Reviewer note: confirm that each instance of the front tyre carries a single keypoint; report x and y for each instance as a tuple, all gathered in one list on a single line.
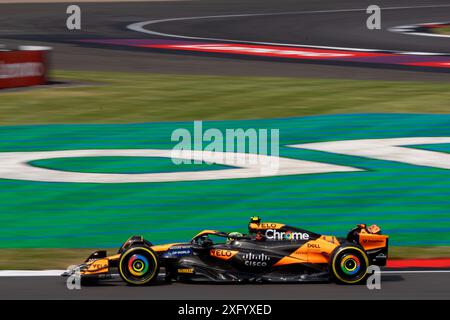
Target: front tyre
[(139, 265), (349, 264)]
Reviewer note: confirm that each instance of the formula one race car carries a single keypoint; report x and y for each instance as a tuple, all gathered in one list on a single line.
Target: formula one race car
[(271, 252)]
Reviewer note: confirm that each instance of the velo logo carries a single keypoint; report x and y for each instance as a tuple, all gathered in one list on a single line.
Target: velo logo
[(223, 254)]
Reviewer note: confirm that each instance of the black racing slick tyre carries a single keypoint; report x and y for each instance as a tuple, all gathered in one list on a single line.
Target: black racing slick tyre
[(139, 265), (349, 264)]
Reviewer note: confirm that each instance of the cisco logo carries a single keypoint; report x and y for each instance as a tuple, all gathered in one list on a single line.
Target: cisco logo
[(255, 260)]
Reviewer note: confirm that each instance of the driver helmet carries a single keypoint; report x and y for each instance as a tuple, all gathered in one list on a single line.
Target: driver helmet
[(232, 236)]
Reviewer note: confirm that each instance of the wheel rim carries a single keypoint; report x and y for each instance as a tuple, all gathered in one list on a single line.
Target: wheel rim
[(138, 266), (350, 264)]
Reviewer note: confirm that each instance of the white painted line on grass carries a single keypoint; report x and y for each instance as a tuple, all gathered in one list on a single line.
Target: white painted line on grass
[(15, 165)]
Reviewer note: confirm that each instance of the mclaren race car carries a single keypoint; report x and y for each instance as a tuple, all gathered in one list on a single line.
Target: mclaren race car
[(270, 252)]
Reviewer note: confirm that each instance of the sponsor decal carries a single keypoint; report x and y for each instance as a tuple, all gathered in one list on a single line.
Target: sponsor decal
[(180, 247), (223, 254), (98, 265), (255, 260), (273, 234), (373, 240), (313, 246), (186, 270), (381, 256), (21, 70), (372, 243), (267, 226), (179, 252)]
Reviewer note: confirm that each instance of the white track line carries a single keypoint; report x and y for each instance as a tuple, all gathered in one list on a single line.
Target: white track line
[(428, 34), (31, 273), (140, 27)]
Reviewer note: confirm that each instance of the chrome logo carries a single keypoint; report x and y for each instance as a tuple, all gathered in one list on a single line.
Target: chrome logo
[(273, 234), (138, 265), (350, 264)]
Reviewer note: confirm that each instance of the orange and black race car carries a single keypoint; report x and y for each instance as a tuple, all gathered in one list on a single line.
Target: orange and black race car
[(270, 252)]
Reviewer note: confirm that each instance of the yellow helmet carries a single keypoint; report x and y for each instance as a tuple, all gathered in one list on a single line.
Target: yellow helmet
[(255, 219)]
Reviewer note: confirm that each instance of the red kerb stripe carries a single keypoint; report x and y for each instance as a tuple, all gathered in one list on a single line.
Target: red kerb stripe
[(419, 263)]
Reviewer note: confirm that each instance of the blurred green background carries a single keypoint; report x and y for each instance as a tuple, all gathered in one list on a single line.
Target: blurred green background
[(410, 203)]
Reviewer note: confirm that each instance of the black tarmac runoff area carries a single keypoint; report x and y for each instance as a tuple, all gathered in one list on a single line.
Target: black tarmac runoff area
[(307, 22), (398, 285)]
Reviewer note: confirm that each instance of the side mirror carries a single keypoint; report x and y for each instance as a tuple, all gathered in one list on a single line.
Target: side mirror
[(96, 255)]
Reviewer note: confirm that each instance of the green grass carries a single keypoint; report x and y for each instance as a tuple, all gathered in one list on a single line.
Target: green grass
[(54, 211), (130, 98), (444, 30), (117, 165), (409, 202), (38, 259)]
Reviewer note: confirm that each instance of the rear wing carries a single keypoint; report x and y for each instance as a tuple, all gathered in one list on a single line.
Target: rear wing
[(373, 242), (279, 231)]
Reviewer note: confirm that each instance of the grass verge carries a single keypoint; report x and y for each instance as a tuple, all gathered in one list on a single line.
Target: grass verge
[(443, 30), (38, 259), (127, 97), (132, 97)]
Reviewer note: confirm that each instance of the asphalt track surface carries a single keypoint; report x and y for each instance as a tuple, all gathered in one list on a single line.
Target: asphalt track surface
[(396, 286), (338, 25), (311, 22)]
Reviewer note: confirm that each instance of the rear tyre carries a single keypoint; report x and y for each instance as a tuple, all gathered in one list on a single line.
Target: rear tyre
[(348, 264), (139, 265)]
